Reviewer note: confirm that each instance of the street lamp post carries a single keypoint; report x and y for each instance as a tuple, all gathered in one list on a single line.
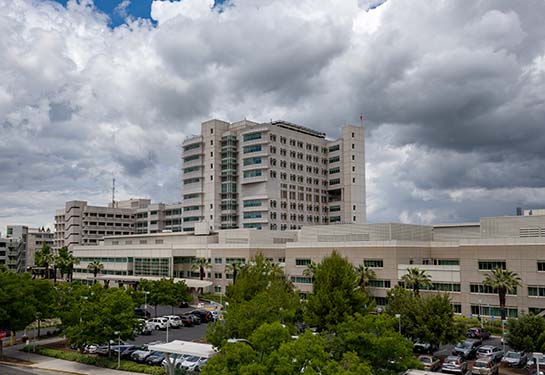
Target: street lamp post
[(146, 300), (398, 316), (118, 348)]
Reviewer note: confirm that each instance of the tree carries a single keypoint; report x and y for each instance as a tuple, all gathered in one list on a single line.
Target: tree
[(428, 319), (309, 270), (201, 264), (95, 267), (416, 279), (364, 276), (375, 339), (504, 281), (233, 268), (164, 292), (334, 297), (65, 262), (527, 333), (44, 258), (96, 315)]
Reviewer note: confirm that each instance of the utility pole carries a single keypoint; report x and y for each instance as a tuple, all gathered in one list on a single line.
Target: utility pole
[(113, 192)]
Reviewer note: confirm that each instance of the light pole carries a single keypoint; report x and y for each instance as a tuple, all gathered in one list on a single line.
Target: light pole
[(398, 316), (118, 348), (480, 315), (146, 301), (503, 335)]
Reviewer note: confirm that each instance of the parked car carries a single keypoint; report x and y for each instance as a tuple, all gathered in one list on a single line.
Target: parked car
[(494, 352), (141, 313), (430, 362), (141, 355), (193, 363), (155, 358), (423, 347), (478, 333), (143, 328), (205, 315), (515, 359), (467, 348), (534, 359), (158, 323), (120, 349), (485, 366), (187, 320), (196, 319), (184, 304), (454, 364), (174, 321), (127, 352), (90, 348)]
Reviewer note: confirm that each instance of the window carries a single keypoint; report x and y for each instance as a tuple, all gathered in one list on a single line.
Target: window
[(252, 203), (191, 180), (381, 301), (376, 283), (334, 159), (143, 242), (301, 279), (447, 262), (192, 169), (335, 181), (252, 215), (252, 225), (248, 174), (252, 161), (485, 265), (302, 262), (477, 310), (191, 158), (334, 148), (373, 263), (251, 137), (192, 147), (218, 275), (159, 242), (353, 146), (235, 260), (457, 308), (250, 149), (536, 291), (334, 219), (334, 170), (541, 265)]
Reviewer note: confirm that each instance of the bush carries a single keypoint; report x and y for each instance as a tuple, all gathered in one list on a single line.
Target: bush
[(99, 361)]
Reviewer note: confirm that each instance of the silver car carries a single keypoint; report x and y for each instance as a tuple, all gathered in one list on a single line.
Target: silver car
[(494, 352), (454, 364)]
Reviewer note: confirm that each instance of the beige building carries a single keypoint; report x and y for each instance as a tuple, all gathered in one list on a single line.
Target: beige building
[(82, 224), (457, 257), (277, 176), (23, 243)]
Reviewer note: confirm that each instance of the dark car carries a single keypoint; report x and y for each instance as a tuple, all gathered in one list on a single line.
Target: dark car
[(478, 333), (205, 315), (187, 321), (184, 304), (141, 313), (196, 318), (126, 353), (467, 349), (155, 358)]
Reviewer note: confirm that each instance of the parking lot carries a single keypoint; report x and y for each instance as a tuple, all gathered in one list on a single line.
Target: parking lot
[(195, 333)]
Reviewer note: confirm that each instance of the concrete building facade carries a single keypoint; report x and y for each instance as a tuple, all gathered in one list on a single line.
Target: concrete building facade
[(21, 244), (277, 176), (455, 258)]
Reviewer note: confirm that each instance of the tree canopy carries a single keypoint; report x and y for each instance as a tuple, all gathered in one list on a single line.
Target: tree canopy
[(527, 333), (164, 292)]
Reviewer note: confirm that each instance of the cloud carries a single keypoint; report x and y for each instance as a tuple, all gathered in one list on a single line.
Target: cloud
[(453, 96)]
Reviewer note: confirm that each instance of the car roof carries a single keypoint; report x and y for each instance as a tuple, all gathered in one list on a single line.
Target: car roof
[(486, 347)]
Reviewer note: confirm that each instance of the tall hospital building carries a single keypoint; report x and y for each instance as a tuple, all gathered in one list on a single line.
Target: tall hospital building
[(275, 175)]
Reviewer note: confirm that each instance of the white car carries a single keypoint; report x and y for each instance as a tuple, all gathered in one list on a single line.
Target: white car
[(174, 321), (158, 323), (193, 363)]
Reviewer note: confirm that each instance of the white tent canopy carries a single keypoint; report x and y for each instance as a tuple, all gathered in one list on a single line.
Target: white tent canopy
[(185, 347), (175, 349)]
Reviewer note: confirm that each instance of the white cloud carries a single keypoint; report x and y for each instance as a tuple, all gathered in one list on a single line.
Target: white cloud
[(453, 95)]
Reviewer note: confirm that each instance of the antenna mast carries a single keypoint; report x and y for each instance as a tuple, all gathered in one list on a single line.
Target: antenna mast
[(113, 192), (361, 119)]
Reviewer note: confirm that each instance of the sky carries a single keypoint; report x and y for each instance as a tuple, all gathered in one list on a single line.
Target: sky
[(453, 96)]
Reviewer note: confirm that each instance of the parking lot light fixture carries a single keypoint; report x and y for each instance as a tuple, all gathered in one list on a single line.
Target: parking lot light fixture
[(146, 300), (398, 316), (118, 348)]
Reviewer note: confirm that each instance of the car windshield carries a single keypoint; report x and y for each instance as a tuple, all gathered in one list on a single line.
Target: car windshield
[(425, 359), (512, 355), (480, 364), (463, 345), (192, 359), (485, 350), (452, 359)]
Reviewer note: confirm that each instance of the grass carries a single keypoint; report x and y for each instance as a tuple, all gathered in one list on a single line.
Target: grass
[(99, 361)]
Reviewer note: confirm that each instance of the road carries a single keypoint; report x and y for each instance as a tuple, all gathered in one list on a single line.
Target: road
[(13, 370)]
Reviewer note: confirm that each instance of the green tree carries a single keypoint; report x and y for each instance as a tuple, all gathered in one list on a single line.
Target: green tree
[(428, 319), (364, 276), (45, 296), (416, 279), (201, 264), (96, 315), (504, 281), (233, 268), (17, 301), (65, 262), (309, 270), (164, 292), (44, 258), (95, 267), (375, 339), (527, 333), (334, 297)]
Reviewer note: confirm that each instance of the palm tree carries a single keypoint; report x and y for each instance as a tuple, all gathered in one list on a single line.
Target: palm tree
[(364, 276), (44, 258), (416, 279), (200, 264), (504, 281), (233, 268), (95, 267), (309, 271), (66, 262)]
